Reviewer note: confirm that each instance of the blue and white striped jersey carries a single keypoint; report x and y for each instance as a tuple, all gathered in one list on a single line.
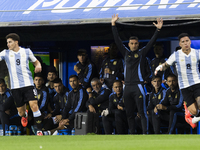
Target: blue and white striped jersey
[(18, 66), (187, 67)]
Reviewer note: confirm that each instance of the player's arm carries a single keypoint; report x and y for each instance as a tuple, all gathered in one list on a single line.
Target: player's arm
[(117, 39), (158, 26), (38, 67), (162, 67)]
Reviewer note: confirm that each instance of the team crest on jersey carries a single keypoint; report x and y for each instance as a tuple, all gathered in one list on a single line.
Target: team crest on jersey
[(115, 62), (153, 97), (115, 100), (160, 63), (182, 59), (65, 99), (169, 95), (106, 64), (59, 101), (140, 96), (176, 96), (4, 101), (129, 56), (11, 55), (159, 96), (136, 55), (194, 59), (38, 121), (38, 96), (99, 105)]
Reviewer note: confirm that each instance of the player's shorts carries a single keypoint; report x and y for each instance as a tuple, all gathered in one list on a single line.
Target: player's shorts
[(24, 95), (190, 94)]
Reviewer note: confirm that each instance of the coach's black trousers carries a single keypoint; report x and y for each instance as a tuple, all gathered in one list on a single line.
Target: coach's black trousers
[(134, 97)]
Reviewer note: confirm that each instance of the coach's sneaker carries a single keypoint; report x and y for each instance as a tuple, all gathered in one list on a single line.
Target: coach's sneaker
[(24, 120), (187, 112), (39, 133), (189, 121)]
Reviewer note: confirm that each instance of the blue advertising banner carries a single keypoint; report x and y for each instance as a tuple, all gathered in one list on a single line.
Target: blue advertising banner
[(36, 12)]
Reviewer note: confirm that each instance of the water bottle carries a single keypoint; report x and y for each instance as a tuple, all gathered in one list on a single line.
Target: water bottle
[(7, 133), (18, 131), (73, 131)]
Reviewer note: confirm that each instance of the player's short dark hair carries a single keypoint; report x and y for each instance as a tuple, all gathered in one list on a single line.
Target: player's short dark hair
[(13, 36), (73, 76), (51, 69), (183, 35), (81, 52), (57, 80), (133, 38), (2, 81), (39, 75), (172, 75), (117, 81), (156, 76)]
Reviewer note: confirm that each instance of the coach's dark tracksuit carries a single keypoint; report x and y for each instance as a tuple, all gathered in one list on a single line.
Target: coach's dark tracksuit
[(7, 103), (100, 100), (154, 99), (59, 104), (88, 72), (75, 103), (117, 70), (119, 116), (134, 94), (174, 103)]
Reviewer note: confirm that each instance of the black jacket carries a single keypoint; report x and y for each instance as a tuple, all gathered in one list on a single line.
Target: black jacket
[(134, 61), (156, 98), (99, 101), (173, 100), (59, 101), (43, 98), (88, 72), (75, 103), (7, 103), (114, 101), (117, 69)]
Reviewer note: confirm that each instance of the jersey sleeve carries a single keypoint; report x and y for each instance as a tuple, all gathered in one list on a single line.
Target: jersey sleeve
[(31, 56), (171, 59), (2, 55)]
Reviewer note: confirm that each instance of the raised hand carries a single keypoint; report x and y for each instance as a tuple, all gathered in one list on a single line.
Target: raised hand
[(159, 23), (114, 19)]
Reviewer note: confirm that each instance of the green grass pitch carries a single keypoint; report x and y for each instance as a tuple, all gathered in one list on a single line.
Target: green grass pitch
[(101, 142)]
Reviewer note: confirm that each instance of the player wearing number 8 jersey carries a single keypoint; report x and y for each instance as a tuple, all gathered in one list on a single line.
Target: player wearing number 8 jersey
[(22, 87), (187, 60)]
